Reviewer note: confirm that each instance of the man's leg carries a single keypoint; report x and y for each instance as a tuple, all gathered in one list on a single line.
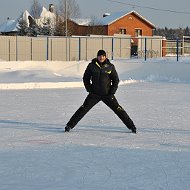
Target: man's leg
[(112, 103), (89, 102)]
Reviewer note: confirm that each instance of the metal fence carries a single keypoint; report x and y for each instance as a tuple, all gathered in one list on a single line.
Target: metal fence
[(186, 45), (173, 47), (160, 47), (150, 47), (178, 46), (17, 48)]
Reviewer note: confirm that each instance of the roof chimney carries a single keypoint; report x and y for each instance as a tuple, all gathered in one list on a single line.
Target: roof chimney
[(106, 14), (51, 8)]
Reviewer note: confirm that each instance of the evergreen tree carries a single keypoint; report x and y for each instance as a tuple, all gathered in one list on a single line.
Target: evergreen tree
[(187, 32), (47, 30), (172, 34), (23, 28), (34, 30)]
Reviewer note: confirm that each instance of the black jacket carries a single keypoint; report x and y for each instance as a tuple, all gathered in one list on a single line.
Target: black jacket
[(101, 79)]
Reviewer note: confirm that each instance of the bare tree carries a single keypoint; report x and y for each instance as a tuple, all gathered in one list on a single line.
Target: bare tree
[(96, 27), (35, 9), (94, 21), (72, 8), (59, 26), (68, 9)]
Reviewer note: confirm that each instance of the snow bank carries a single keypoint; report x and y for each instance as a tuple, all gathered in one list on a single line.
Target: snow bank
[(55, 74), (158, 72)]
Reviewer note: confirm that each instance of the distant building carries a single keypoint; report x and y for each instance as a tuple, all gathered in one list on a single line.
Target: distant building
[(125, 23), (47, 17), (129, 23), (9, 27)]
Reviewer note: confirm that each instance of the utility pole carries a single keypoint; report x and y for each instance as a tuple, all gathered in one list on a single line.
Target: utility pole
[(66, 18)]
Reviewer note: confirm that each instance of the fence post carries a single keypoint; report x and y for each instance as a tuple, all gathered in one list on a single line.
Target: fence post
[(177, 50), (183, 46), (9, 49), (102, 42), (79, 48), (16, 49), (86, 48), (47, 49), (66, 48), (145, 50), (112, 49), (69, 48), (51, 50), (31, 49)]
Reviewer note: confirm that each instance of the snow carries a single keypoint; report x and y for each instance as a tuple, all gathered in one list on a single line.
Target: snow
[(9, 26), (37, 100), (45, 16), (25, 16), (12, 25), (109, 19), (82, 21)]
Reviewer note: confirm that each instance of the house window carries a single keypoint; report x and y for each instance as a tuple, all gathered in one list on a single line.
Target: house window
[(122, 31), (138, 32)]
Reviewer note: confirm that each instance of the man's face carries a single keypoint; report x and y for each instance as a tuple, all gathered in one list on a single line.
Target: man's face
[(101, 58)]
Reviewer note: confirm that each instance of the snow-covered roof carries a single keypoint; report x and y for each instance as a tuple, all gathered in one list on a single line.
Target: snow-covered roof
[(80, 21), (118, 15), (45, 16), (46, 13), (9, 26), (25, 16)]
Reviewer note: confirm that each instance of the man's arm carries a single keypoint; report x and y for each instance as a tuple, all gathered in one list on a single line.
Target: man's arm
[(115, 81), (87, 79)]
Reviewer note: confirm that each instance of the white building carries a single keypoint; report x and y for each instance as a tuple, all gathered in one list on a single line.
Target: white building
[(47, 17)]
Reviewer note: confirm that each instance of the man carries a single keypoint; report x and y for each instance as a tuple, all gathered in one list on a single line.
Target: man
[(101, 81)]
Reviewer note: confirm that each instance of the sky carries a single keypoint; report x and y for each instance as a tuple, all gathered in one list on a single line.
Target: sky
[(91, 8)]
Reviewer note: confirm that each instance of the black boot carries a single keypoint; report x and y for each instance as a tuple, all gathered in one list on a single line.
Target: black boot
[(134, 130), (67, 128)]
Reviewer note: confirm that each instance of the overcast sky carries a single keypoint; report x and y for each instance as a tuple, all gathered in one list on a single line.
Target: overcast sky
[(89, 8)]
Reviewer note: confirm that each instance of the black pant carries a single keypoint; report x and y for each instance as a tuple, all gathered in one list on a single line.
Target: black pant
[(91, 100)]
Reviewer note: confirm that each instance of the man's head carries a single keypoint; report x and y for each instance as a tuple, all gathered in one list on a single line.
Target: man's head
[(101, 55)]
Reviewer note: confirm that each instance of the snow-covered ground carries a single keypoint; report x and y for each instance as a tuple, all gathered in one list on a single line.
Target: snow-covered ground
[(37, 100)]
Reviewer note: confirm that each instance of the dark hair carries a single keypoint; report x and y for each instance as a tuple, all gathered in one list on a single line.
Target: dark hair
[(101, 52)]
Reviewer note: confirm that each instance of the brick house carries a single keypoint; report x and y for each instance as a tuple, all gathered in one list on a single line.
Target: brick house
[(125, 23), (129, 23), (75, 27)]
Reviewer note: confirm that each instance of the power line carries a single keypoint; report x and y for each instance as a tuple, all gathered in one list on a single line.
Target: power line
[(152, 8)]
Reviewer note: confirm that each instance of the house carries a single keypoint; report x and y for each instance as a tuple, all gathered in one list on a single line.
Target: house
[(129, 23), (46, 17), (9, 27), (83, 27), (27, 17), (126, 23)]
